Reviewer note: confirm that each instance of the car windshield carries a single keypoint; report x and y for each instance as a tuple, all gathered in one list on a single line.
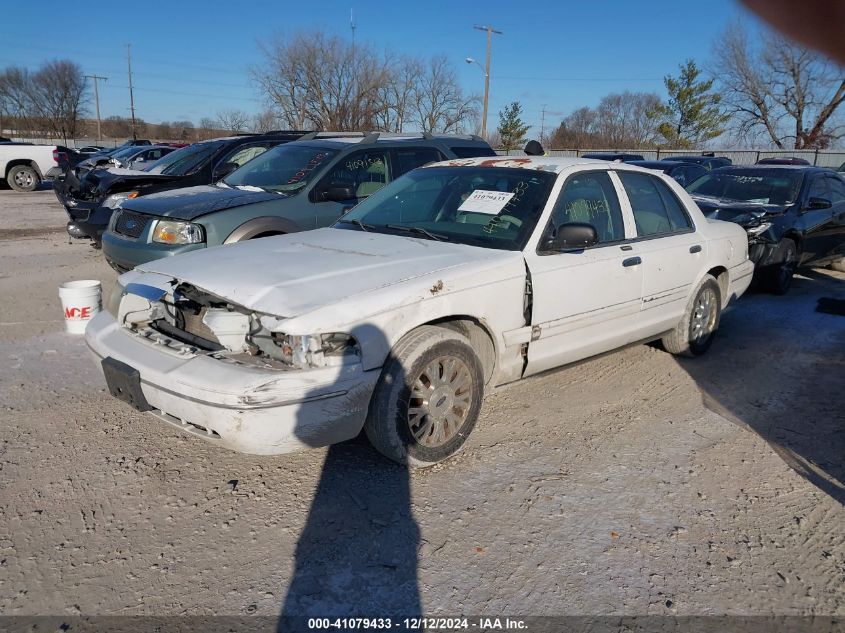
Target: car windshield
[(491, 207), (762, 186), (186, 160), (285, 168)]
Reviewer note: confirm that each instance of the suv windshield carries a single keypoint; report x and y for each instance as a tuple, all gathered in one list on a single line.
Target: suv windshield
[(285, 168), (762, 186), (492, 207), (186, 160)]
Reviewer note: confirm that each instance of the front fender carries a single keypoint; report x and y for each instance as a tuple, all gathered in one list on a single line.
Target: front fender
[(257, 226)]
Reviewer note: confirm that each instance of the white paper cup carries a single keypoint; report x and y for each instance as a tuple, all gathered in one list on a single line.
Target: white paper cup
[(81, 300)]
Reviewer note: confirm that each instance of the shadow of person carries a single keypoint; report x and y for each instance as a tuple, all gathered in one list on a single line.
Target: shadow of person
[(357, 554), (777, 368)]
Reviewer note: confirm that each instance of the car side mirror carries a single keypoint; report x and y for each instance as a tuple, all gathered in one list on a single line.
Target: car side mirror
[(572, 236), (818, 203), (337, 193), (222, 170)]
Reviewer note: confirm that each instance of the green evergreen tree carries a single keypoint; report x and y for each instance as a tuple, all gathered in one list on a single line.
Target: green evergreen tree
[(512, 128), (693, 114)]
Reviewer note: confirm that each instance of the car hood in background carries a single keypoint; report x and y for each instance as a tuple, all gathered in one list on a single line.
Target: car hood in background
[(290, 275), (192, 202), (735, 210)]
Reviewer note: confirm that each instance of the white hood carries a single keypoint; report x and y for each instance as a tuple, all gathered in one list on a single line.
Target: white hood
[(291, 275)]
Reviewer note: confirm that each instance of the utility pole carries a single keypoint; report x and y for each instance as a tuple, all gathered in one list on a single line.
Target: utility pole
[(131, 93), (543, 123), (352, 26), (97, 99), (490, 30)]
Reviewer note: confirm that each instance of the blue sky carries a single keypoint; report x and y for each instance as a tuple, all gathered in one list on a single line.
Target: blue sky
[(191, 58)]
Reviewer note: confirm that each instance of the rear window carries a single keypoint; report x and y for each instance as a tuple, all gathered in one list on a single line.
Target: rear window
[(471, 151)]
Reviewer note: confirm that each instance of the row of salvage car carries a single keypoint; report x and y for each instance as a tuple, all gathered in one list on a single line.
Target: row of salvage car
[(435, 271)]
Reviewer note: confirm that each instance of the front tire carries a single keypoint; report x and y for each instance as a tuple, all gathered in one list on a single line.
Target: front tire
[(23, 178), (778, 278), (695, 332), (428, 398)]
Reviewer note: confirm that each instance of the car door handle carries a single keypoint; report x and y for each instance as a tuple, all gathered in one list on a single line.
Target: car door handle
[(695, 249), (632, 261)]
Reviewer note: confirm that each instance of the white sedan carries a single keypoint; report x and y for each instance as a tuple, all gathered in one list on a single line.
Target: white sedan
[(457, 277)]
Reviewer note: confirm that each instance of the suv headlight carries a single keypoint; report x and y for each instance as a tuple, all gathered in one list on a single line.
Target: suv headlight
[(177, 232), (115, 200)]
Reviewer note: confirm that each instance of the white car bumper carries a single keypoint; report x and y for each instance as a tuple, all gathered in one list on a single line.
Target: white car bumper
[(242, 407)]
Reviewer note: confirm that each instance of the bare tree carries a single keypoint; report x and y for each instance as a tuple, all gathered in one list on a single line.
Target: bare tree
[(51, 100), (783, 92), (621, 120), (397, 95), (265, 121), (321, 81), (439, 103), (207, 127), (234, 121), (627, 120)]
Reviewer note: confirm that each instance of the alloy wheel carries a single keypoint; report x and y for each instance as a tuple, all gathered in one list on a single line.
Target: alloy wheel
[(440, 402)]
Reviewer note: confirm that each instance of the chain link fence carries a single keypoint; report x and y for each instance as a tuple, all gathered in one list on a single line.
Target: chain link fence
[(820, 158)]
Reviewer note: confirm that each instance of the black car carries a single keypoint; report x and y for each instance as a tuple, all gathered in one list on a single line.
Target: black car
[(684, 173), (708, 162), (613, 156), (783, 160), (90, 197), (794, 215)]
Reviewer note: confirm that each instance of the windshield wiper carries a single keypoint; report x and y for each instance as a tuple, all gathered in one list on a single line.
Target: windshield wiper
[(359, 224), (419, 231)]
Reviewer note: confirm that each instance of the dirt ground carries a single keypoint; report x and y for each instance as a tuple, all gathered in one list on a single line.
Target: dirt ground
[(630, 484)]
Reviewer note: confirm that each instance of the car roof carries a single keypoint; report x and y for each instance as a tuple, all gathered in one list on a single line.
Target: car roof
[(556, 164), (770, 167)]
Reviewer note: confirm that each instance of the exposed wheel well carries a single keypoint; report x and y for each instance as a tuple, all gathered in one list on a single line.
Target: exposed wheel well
[(479, 337), (266, 234), (22, 161), (796, 237), (720, 273)]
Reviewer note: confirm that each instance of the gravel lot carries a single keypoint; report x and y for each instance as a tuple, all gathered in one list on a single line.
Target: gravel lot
[(630, 484)]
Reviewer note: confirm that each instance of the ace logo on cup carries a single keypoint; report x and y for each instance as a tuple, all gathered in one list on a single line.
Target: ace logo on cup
[(78, 313)]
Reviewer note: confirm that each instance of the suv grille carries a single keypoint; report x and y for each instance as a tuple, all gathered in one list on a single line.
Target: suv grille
[(131, 224)]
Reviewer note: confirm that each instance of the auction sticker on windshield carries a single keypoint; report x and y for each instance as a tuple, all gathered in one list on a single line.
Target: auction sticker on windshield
[(483, 201)]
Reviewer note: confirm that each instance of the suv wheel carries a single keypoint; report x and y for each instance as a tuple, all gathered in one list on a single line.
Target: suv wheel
[(427, 400)]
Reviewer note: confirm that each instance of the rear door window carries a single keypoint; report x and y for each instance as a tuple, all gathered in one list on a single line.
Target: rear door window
[(472, 151), (413, 157), (656, 209)]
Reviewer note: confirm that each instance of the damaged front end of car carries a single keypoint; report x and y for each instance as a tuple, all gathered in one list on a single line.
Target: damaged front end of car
[(197, 321)]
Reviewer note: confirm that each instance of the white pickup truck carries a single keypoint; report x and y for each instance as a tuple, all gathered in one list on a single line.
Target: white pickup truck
[(24, 166)]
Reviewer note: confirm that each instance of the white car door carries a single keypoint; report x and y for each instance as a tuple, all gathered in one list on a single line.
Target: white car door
[(584, 302), (672, 251)]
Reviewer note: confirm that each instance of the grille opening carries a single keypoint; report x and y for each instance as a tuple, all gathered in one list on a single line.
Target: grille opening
[(131, 224)]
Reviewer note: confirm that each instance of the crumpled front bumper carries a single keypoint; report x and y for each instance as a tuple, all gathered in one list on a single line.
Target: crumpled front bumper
[(245, 408)]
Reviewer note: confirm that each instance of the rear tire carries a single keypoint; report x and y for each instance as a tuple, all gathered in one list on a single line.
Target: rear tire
[(23, 178), (427, 399), (695, 332), (778, 278)]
